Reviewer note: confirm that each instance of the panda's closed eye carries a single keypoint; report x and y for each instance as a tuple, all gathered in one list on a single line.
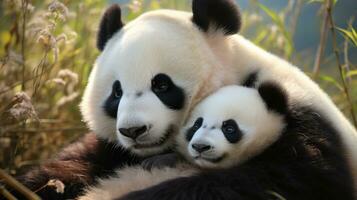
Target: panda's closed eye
[(231, 131), (191, 131)]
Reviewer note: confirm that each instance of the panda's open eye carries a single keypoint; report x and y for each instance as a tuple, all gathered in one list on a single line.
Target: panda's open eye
[(170, 94), (112, 102), (231, 131), (191, 131), (117, 91), (198, 123), (161, 83), (229, 127)]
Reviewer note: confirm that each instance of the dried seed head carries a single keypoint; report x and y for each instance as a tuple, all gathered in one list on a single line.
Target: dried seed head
[(22, 108), (59, 9)]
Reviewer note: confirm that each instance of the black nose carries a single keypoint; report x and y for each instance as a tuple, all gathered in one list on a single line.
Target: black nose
[(133, 132), (201, 147)]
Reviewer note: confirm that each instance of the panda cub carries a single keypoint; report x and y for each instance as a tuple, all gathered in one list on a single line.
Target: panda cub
[(227, 128), (233, 125)]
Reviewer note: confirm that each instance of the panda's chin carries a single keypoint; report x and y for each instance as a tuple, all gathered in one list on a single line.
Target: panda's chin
[(149, 148), (209, 162)]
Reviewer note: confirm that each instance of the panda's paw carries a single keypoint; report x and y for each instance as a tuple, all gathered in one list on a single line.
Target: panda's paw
[(160, 161)]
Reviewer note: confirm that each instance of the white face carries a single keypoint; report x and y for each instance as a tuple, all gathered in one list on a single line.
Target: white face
[(229, 127), (144, 81)]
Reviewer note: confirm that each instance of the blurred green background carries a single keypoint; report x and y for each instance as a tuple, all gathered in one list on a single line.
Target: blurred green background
[(47, 49)]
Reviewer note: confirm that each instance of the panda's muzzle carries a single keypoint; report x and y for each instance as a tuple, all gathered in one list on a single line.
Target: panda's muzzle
[(133, 132), (162, 140)]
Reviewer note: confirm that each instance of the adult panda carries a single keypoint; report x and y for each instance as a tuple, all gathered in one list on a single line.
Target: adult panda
[(149, 76), (248, 144)]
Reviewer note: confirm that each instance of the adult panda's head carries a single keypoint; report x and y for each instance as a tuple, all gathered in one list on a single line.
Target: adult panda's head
[(233, 124), (153, 70)]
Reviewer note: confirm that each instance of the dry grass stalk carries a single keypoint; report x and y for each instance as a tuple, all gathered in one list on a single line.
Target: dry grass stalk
[(9, 180), (24, 5), (6, 194)]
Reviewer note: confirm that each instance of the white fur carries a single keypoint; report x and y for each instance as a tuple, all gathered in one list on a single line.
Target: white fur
[(168, 42), (131, 179), (260, 127)]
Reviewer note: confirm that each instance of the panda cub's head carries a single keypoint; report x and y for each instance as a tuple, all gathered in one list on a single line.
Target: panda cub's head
[(233, 124)]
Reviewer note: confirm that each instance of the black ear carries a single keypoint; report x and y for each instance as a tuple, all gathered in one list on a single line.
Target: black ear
[(110, 24), (274, 97), (223, 14)]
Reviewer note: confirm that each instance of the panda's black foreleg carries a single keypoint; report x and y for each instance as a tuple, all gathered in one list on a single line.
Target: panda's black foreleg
[(77, 166), (217, 185), (161, 161), (254, 181)]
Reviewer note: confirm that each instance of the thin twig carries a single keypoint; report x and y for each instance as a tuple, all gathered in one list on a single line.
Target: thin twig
[(9, 180), (340, 67), (322, 43)]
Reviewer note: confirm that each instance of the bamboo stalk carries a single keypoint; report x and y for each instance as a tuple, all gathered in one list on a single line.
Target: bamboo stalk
[(18, 186), (340, 67)]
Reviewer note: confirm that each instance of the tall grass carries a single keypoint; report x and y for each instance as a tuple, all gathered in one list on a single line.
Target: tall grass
[(47, 49)]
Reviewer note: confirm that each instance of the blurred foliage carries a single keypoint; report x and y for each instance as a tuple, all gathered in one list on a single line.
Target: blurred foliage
[(47, 49)]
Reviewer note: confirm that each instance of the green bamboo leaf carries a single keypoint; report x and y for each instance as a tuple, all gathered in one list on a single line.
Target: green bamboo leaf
[(289, 47), (351, 73), (273, 15), (321, 1), (351, 35), (316, 1), (331, 80), (354, 33)]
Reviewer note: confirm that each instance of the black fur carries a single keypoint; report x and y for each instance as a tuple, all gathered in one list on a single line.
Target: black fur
[(170, 94), (192, 130), (112, 102), (161, 161), (223, 14), (78, 166), (251, 80), (307, 162), (235, 134), (274, 96), (110, 23)]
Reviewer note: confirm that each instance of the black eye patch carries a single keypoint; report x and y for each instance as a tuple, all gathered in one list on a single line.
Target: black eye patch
[(191, 131), (231, 131), (169, 94), (112, 102)]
